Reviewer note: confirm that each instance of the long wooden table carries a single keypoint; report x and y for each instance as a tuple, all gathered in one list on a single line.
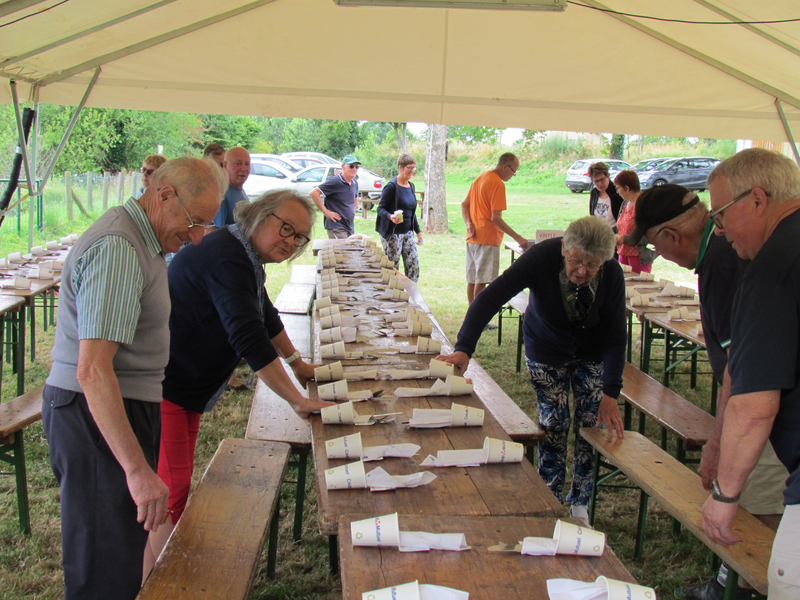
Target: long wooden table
[(485, 575)]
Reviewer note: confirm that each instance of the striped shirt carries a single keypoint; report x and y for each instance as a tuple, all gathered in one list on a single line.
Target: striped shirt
[(108, 283)]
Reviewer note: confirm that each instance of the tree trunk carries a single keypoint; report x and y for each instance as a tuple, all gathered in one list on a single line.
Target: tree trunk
[(435, 205), (401, 136)]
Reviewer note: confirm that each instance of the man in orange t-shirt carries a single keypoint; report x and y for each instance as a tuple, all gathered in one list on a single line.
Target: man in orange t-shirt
[(483, 214)]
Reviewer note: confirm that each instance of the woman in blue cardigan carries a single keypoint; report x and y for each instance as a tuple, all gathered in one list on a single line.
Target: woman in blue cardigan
[(575, 336), (398, 231)]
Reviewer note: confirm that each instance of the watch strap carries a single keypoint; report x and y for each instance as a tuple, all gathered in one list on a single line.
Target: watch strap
[(716, 494), (293, 357)]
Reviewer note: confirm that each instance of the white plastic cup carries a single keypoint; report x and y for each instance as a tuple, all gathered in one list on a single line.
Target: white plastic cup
[(341, 414), (440, 369), (321, 303), (578, 540), (36, 250), (466, 416), (620, 590), (400, 295), (376, 531), (405, 591), (347, 446), (398, 214), (336, 390), (331, 321), (459, 386), (347, 477), (503, 451), (331, 372), (329, 336), (329, 311), (335, 350), (426, 344)]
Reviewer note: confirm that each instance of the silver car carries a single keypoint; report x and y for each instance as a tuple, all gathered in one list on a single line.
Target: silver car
[(690, 172), (578, 179), (306, 180), (266, 176)]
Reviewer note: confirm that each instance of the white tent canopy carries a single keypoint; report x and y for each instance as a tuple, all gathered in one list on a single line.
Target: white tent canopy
[(580, 70)]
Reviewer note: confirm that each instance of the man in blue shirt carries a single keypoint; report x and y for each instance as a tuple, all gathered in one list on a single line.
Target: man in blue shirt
[(237, 166), (339, 206)]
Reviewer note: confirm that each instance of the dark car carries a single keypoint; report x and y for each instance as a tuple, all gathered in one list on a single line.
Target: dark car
[(689, 171)]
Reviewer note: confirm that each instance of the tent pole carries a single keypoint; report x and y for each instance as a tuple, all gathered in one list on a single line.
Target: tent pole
[(68, 131), (22, 144), (787, 129), (34, 161)]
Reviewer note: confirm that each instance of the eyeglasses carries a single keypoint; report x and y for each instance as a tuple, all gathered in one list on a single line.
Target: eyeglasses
[(146, 170), (192, 224), (600, 180), (353, 166), (715, 214), (288, 231), (591, 267), (412, 167), (513, 170)]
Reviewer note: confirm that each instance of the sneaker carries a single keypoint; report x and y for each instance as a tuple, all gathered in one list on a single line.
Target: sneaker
[(580, 512), (711, 590)]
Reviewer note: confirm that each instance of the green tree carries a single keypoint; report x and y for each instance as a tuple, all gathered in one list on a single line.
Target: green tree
[(228, 130), (338, 138), (87, 147), (617, 149), (474, 135)]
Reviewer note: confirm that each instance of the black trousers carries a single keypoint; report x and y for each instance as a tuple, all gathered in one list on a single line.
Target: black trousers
[(103, 545)]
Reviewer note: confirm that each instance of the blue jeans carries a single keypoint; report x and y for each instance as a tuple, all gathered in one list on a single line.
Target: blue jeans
[(552, 387)]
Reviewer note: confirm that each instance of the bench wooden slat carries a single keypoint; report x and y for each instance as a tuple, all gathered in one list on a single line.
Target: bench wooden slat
[(298, 328), (687, 421), (519, 302), (273, 419), (20, 412), (678, 489), (295, 298), (519, 426), (214, 550), (306, 274)]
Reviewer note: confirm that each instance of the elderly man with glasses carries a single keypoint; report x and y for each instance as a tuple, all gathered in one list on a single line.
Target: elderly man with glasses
[(339, 205), (681, 229), (101, 409), (755, 197), (221, 311)]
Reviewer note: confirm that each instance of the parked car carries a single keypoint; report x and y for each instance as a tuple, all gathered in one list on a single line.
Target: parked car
[(308, 159), (287, 164), (578, 179), (689, 171), (648, 164), (265, 176), (310, 177)]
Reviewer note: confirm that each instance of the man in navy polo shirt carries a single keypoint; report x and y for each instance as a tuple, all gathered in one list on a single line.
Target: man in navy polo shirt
[(339, 206)]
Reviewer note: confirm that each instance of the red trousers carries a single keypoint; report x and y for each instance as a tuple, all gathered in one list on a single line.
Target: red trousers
[(179, 428)]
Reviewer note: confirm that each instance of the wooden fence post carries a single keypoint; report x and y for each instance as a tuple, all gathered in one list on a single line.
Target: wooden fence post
[(68, 189), (89, 182), (121, 186), (106, 182)]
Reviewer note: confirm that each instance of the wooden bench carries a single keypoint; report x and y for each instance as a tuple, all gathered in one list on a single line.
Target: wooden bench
[(678, 489), (15, 415), (518, 304), (306, 274), (689, 423), (215, 548), (298, 328), (296, 298), (519, 426), (273, 419)]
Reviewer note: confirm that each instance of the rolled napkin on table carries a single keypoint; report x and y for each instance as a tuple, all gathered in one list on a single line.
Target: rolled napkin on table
[(649, 300), (438, 369), (415, 591), (17, 283), (452, 386), (353, 476), (457, 415), (683, 314), (568, 538), (677, 290), (337, 390), (335, 372), (383, 532), (345, 414), (350, 446), (395, 295), (600, 589), (493, 452)]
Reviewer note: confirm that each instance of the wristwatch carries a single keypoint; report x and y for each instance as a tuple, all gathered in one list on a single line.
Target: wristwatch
[(717, 494), (294, 356)]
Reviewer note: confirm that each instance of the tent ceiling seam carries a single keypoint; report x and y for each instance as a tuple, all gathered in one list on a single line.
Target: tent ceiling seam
[(712, 62), (767, 36), (12, 6), (84, 33), (444, 62), (149, 43)]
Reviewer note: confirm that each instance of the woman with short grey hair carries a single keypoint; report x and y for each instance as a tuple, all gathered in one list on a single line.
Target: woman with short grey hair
[(575, 336), (220, 313)]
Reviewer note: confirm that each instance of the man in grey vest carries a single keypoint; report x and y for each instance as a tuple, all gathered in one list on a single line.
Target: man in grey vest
[(101, 408)]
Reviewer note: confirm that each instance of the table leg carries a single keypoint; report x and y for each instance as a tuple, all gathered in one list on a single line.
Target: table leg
[(333, 553), (52, 306), (20, 351), (638, 551), (32, 310), (519, 343), (272, 550), (667, 350), (647, 340), (300, 496)]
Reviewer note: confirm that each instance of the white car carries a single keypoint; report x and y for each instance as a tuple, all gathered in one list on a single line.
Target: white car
[(306, 180), (285, 163), (266, 176), (309, 159)]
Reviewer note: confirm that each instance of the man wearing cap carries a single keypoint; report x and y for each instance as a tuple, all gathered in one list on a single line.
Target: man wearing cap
[(679, 226), (482, 211), (755, 197), (339, 206)]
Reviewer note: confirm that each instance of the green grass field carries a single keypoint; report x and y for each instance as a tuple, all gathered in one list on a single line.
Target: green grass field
[(30, 565)]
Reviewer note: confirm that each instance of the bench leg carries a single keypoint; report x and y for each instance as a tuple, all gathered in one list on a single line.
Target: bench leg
[(731, 585), (19, 351), (300, 496), (642, 418), (519, 344), (595, 485), (272, 550), (529, 452), (639, 550), (14, 455), (500, 327), (333, 553), (32, 312), (630, 336), (627, 416)]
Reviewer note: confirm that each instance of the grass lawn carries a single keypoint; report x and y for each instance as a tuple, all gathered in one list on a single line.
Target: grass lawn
[(30, 566)]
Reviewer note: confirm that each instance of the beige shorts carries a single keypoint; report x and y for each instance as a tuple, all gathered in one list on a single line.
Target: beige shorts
[(784, 564), (763, 491), (483, 263)]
